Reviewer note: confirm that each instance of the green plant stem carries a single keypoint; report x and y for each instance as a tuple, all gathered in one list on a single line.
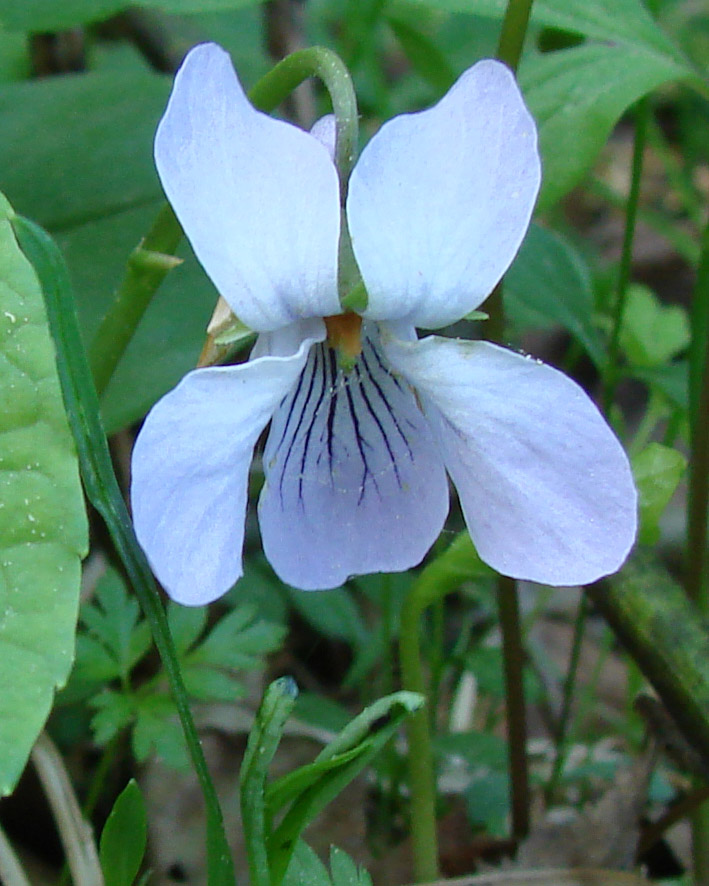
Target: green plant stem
[(458, 563), (513, 655), (509, 51), (611, 374), (422, 784), (317, 61), (147, 267), (81, 402), (698, 503), (514, 30), (561, 738), (264, 738)]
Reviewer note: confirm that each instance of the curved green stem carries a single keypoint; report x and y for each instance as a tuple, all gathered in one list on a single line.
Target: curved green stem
[(317, 61), (81, 402), (610, 380), (151, 260)]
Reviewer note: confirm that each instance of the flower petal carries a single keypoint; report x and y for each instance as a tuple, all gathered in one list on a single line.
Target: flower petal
[(545, 486), (257, 197), (440, 200), (354, 482), (190, 471)]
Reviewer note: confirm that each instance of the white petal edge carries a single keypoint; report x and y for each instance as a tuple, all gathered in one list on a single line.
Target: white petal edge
[(354, 480), (258, 198), (191, 464), (440, 200), (545, 486)]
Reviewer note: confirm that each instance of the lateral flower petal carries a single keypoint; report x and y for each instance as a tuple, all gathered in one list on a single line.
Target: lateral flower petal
[(258, 198), (191, 465), (440, 200), (545, 486), (354, 481)]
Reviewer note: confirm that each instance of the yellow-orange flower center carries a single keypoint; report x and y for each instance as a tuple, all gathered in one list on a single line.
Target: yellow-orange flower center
[(344, 335)]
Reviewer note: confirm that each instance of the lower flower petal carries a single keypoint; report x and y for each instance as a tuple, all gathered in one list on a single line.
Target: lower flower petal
[(190, 471), (354, 481), (545, 486)]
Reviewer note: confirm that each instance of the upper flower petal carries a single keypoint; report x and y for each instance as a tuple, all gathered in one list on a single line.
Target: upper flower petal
[(354, 481), (545, 486), (257, 197), (191, 464), (440, 200)]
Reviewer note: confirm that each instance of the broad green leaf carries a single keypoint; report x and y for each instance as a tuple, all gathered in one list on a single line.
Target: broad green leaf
[(577, 96), (43, 529), (53, 15), (425, 57), (652, 333), (658, 470), (550, 282), (487, 799), (626, 22), (124, 838)]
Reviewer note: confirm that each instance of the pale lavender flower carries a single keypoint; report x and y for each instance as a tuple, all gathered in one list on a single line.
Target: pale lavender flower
[(356, 461)]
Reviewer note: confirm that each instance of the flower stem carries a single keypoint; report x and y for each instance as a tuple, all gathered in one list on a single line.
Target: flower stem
[(513, 655), (317, 61), (509, 51), (82, 406), (514, 29), (455, 565), (696, 581), (611, 373)]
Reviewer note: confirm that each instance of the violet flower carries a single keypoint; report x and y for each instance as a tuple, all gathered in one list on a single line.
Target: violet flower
[(356, 458)]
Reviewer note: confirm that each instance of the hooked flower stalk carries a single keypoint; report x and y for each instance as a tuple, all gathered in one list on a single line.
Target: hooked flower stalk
[(366, 419)]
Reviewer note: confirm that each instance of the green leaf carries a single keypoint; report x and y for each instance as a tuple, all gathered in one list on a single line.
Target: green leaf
[(345, 872), (426, 58), (124, 838), (91, 180), (43, 528), (652, 334), (113, 619), (550, 282), (487, 799), (50, 15), (239, 641), (332, 613), (627, 22), (658, 470), (114, 712), (577, 96), (311, 788), (157, 731), (306, 868)]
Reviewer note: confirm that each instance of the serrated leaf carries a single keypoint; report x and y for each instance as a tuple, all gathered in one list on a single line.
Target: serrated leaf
[(657, 470), (238, 642), (114, 712), (124, 838), (157, 731), (345, 872), (652, 333), (550, 282), (186, 625), (43, 528), (209, 684), (113, 618)]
